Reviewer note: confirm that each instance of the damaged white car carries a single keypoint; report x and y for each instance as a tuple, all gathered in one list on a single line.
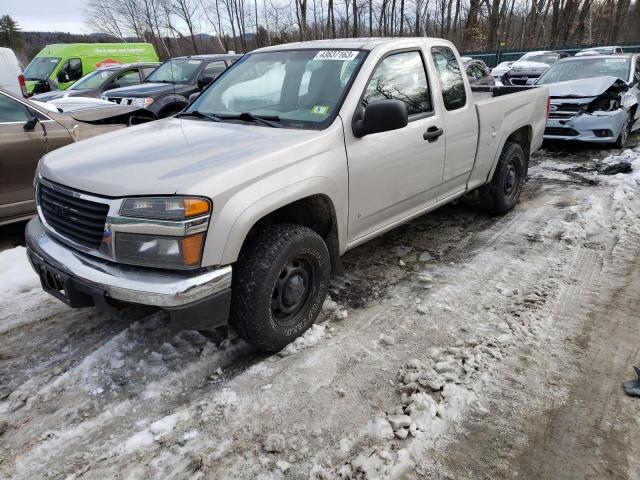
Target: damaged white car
[(593, 99)]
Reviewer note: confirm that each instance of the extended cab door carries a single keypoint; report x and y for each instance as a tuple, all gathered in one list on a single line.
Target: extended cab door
[(460, 122), (396, 173)]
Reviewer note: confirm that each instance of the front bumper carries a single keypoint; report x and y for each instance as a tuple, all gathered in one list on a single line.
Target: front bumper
[(583, 127), (81, 280)]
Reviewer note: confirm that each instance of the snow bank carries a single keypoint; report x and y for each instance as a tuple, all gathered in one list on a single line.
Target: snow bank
[(16, 274)]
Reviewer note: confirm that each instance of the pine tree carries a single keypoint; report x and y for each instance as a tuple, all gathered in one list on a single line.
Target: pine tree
[(10, 33)]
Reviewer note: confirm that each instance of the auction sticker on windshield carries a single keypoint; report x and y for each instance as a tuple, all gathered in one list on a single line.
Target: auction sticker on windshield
[(336, 55)]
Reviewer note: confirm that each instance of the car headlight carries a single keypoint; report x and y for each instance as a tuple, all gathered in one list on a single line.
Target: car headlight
[(142, 102), (165, 208), (159, 251), (177, 229)]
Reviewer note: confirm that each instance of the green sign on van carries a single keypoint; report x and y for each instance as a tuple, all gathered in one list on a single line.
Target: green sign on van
[(60, 65)]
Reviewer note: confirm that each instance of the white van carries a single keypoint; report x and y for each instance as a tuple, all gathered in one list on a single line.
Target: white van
[(11, 78)]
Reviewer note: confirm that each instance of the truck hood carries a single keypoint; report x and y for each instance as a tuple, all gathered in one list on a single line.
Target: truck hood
[(170, 156), (586, 88), (146, 90)]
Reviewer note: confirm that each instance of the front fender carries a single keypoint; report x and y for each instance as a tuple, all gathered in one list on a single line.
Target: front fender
[(236, 212), (260, 208)]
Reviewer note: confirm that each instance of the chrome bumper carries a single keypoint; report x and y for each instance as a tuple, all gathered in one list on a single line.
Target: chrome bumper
[(121, 282)]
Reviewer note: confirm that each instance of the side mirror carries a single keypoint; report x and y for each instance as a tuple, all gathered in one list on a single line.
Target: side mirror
[(204, 81), (63, 77), (193, 97), (381, 116), (30, 124)]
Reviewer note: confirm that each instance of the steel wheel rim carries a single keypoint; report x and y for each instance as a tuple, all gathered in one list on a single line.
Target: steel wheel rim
[(511, 179), (291, 291)]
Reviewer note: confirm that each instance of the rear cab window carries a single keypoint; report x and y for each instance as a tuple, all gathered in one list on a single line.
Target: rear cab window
[(450, 78), (401, 76)]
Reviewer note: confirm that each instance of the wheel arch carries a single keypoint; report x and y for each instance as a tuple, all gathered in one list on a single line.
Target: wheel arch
[(316, 211)]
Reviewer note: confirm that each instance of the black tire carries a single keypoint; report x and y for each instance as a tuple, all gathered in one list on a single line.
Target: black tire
[(279, 285), (624, 134), (501, 194)]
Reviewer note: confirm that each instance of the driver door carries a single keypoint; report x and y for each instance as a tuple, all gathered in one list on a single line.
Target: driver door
[(69, 73), (21, 151)]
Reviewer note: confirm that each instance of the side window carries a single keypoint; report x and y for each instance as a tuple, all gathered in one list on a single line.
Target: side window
[(474, 72), (636, 75), (70, 71), (400, 76), (146, 71), (481, 73), (213, 70), (130, 77), (12, 111), (450, 78)]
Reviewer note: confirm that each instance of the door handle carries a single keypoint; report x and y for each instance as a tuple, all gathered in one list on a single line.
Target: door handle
[(432, 134)]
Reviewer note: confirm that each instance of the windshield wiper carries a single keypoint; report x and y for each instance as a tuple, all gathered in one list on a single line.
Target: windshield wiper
[(198, 114), (266, 120)]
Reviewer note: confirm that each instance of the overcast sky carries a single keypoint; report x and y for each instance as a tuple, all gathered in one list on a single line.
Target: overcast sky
[(47, 15)]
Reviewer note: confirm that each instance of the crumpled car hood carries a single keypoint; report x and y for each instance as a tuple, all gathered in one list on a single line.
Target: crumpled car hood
[(588, 87)]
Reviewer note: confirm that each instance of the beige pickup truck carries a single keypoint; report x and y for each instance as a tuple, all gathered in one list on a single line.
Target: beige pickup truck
[(238, 209)]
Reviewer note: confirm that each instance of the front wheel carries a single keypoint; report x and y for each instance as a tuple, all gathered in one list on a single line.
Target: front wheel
[(279, 285), (501, 194), (624, 133)]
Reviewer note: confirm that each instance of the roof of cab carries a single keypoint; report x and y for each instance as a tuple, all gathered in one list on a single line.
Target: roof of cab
[(366, 43), (586, 58), (122, 66)]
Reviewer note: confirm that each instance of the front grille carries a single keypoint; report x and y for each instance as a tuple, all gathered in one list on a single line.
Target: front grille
[(561, 132), (565, 110), (77, 219), (120, 101)]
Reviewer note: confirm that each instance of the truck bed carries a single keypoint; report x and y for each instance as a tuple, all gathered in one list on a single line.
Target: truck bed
[(501, 111)]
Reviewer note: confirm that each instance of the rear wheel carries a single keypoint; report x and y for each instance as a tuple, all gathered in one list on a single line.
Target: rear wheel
[(279, 285), (501, 194)]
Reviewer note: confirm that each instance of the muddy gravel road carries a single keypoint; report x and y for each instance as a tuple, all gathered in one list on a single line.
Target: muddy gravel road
[(459, 346)]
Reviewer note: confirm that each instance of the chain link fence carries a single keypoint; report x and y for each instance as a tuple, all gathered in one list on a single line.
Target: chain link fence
[(493, 59)]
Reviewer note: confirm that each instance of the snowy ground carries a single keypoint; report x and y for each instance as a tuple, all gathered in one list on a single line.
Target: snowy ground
[(458, 346)]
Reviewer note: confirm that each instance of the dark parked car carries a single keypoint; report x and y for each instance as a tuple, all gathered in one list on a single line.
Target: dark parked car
[(94, 84), (28, 131), (530, 66), (477, 71), (166, 91)]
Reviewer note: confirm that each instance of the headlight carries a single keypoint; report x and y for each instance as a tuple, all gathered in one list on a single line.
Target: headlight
[(170, 233), (159, 252), (142, 102), (165, 208)]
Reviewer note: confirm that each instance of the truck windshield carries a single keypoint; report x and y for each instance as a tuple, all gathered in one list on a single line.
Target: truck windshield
[(587, 68), (92, 80), (178, 70), (296, 88), (41, 68)]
